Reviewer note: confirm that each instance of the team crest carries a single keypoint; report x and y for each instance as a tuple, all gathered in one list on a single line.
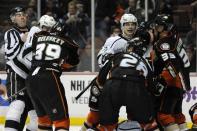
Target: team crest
[(165, 46)]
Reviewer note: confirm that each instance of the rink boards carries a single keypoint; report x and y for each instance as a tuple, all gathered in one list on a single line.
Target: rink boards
[(74, 83)]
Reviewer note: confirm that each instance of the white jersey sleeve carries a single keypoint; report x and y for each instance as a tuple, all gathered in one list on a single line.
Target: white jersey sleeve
[(113, 45), (26, 53), (33, 30)]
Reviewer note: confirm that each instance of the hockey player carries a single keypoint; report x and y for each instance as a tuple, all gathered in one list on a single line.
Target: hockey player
[(44, 22), (50, 51), (125, 86), (17, 72), (116, 44), (171, 62), (193, 115), (113, 45), (26, 56)]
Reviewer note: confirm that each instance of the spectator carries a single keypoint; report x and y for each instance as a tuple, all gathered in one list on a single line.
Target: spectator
[(52, 6), (32, 15), (76, 23), (80, 7), (118, 13), (151, 7), (133, 10), (191, 35), (104, 12), (191, 52), (32, 3), (115, 30), (190, 44), (194, 9), (166, 7)]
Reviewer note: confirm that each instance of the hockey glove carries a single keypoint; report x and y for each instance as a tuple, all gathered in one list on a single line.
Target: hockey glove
[(95, 92), (106, 58), (96, 89), (159, 86), (137, 45)]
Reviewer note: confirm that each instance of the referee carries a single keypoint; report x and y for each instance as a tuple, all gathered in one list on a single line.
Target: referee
[(16, 72)]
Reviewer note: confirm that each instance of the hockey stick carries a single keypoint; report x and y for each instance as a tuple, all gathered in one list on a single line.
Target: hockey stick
[(153, 16), (14, 95), (85, 89)]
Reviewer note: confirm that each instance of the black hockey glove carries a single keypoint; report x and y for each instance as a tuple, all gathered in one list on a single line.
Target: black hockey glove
[(95, 92), (159, 86), (135, 42), (144, 26), (138, 46), (106, 58), (96, 89)]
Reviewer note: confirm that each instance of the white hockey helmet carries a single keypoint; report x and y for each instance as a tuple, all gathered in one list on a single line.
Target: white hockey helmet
[(128, 18), (47, 21)]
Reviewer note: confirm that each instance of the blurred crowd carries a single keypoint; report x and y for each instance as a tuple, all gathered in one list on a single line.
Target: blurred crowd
[(76, 15)]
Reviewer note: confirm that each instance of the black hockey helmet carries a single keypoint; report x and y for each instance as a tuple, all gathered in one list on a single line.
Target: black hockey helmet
[(15, 10), (165, 20), (58, 28)]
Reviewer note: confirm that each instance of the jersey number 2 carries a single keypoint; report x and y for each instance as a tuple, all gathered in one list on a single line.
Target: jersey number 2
[(128, 61)]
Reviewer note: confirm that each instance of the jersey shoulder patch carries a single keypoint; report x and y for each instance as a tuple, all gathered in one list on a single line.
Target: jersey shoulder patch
[(164, 45)]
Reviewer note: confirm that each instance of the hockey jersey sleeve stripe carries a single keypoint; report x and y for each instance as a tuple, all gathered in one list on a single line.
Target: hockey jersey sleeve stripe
[(26, 51), (11, 38), (12, 54), (114, 42), (12, 44), (21, 65)]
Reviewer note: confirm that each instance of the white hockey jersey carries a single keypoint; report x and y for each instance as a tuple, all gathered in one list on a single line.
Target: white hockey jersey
[(113, 45), (26, 53)]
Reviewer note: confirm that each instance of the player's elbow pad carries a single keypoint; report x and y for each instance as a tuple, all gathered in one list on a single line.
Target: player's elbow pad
[(66, 66)]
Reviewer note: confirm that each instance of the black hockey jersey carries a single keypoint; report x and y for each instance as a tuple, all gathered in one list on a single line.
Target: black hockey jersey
[(172, 61), (51, 51), (126, 66)]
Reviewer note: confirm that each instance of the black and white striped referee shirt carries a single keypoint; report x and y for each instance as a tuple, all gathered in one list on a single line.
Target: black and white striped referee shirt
[(13, 45)]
